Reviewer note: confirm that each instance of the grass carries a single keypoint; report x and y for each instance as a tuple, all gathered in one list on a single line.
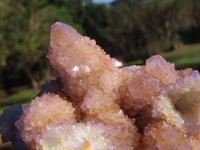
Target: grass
[(21, 97), (186, 56)]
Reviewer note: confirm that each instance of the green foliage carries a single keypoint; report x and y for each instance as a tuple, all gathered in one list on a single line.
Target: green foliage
[(3, 54), (156, 4), (96, 23), (25, 26)]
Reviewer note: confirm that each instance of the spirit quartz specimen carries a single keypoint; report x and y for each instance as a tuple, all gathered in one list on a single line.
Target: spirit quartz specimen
[(95, 105)]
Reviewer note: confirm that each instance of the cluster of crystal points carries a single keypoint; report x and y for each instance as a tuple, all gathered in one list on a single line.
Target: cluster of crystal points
[(95, 105)]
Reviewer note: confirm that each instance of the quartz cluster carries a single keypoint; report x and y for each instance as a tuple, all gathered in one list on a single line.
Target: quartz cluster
[(95, 104)]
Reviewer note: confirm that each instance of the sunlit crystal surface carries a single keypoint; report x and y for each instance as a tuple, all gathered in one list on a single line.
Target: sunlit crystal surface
[(79, 136), (180, 104), (41, 112), (84, 63), (163, 136), (159, 68), (84, 136)]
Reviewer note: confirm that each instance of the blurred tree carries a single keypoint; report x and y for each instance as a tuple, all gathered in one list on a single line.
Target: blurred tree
[(128, 37), (25, 30), (96, 20), (196, 12), (191, 10), (144, 27)]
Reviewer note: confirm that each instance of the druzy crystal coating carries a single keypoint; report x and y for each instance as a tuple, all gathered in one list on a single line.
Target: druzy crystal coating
[(95, 105)]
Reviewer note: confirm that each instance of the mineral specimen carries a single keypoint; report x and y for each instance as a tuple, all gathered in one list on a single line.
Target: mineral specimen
[(163, 136), (95, 105), (84, 65), (42, 111), (179, 104)]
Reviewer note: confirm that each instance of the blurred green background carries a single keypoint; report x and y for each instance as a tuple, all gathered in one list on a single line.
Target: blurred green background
[(129, 30)]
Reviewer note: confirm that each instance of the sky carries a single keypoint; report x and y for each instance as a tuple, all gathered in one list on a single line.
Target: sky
[(102, 1)]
